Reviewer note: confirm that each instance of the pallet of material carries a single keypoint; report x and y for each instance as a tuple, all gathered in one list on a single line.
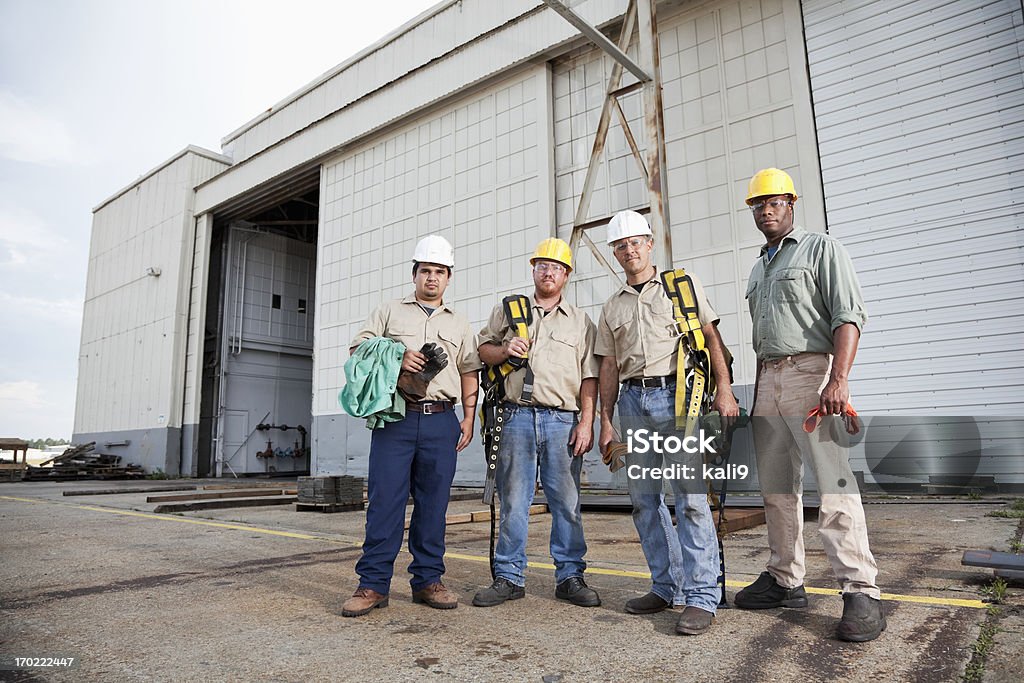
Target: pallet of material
[(332, 490), (80, 462)]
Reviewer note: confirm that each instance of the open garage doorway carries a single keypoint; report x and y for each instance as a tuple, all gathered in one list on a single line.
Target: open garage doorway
[(256, 411)]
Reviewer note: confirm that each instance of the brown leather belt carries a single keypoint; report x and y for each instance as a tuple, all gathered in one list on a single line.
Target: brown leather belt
[(652, 382), (430, 407)]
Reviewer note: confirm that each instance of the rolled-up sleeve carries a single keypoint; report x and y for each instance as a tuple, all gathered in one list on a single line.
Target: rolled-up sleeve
[(840, 288)]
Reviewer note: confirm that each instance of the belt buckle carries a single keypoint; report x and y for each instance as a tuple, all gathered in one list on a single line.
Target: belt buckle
[(653, 382), (428, 408)]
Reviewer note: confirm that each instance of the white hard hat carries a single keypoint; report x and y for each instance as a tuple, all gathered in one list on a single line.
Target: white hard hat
[(627, 224), (434, 249)]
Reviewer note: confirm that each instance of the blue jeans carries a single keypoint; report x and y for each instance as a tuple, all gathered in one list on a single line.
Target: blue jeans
[(415, 456), (532, 436), (683, 561)]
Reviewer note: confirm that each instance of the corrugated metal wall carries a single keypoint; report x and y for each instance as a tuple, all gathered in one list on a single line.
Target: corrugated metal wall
[(130, 373), (920, 114)]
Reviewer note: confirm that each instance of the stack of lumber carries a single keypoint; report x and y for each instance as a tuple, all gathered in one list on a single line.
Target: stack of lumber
[(81, 462)]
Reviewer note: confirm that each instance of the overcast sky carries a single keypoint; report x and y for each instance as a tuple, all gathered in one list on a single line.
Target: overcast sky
[(94, 93)]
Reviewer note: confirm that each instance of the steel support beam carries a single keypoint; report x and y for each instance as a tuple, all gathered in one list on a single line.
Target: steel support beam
[(599, 38), (642, 14), (654, 125)]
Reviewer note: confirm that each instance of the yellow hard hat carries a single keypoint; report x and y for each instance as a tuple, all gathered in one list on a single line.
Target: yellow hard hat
[(768, 182), (553, 249)]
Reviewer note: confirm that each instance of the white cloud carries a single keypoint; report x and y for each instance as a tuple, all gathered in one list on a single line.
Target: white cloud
[(31, 410), (30, 133), (28, 309), (23, 393), (25, 239)]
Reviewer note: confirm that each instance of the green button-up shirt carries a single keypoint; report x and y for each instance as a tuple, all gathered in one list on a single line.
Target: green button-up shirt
[(798, 298)]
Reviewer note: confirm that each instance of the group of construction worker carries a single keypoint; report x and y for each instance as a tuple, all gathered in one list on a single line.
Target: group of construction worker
[(654, 353)]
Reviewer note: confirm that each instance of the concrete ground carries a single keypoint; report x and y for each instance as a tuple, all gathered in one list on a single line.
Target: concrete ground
[(255, 594)]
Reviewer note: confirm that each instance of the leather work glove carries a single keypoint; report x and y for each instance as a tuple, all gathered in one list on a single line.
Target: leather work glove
[(615, 456), (414, 385)]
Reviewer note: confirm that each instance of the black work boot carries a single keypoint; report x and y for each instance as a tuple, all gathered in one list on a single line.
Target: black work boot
[(497, 593), (647, 604), (862, 620), (766, 593), (575, 590)]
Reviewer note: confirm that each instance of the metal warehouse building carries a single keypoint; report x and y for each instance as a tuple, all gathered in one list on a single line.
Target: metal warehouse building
[(223, 288)]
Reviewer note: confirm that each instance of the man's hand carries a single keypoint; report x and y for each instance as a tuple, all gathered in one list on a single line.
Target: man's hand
[(516, 347), (726, 405), (582, 438), (607, 435), (834, 397), (413, 361), (466, 427)]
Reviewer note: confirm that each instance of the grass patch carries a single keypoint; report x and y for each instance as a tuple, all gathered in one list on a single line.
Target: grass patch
[(1015, 510), (986, 639), (974, 495), (996, 592), (1016, 547), (159, 475)]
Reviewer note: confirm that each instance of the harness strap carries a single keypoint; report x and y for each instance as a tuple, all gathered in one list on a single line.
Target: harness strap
[(679, 288), (519, 314)]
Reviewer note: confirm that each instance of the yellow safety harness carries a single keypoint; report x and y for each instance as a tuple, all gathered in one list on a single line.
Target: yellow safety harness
[(519, 315), (700, 381), (679, 288)]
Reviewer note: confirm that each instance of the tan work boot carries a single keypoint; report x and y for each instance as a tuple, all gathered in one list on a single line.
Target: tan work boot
[(362, 601), (437, 596)]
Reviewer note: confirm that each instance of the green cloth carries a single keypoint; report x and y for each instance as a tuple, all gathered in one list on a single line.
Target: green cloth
[(371, 380), (800, 296)]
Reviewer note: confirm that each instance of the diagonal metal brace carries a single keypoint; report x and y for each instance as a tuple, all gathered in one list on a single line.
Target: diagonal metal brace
[(599, 38)]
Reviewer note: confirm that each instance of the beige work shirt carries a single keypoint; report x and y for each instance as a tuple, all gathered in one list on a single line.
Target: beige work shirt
[(561, 354), (404, 321), (798, 298), (639, 330)]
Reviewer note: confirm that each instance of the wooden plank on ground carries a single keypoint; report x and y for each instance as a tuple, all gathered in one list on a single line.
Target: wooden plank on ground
[(223, 504), (114, 492), (328, 507), (740, 518), (215, 495)]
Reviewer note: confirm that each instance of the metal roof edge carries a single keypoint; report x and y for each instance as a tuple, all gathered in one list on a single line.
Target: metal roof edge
[(424, 16), (189, 149)]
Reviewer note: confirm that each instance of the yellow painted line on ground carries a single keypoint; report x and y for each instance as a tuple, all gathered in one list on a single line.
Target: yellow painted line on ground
[(918, 599), (185, 520)]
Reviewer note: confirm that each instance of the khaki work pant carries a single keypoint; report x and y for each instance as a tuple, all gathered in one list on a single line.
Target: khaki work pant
[(787, 389)]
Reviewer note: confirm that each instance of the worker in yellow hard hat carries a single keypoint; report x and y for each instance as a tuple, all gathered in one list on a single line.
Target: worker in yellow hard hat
[(807, 312), (548, 419)]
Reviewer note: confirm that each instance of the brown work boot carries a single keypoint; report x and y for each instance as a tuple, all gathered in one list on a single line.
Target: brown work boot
[(437, 596), (362, 601), (647, 604), (694, 621)]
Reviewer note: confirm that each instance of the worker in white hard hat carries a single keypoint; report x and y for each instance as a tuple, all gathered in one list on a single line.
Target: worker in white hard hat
[(548, 421), (807, 312), (638, 343), (417, 454)]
